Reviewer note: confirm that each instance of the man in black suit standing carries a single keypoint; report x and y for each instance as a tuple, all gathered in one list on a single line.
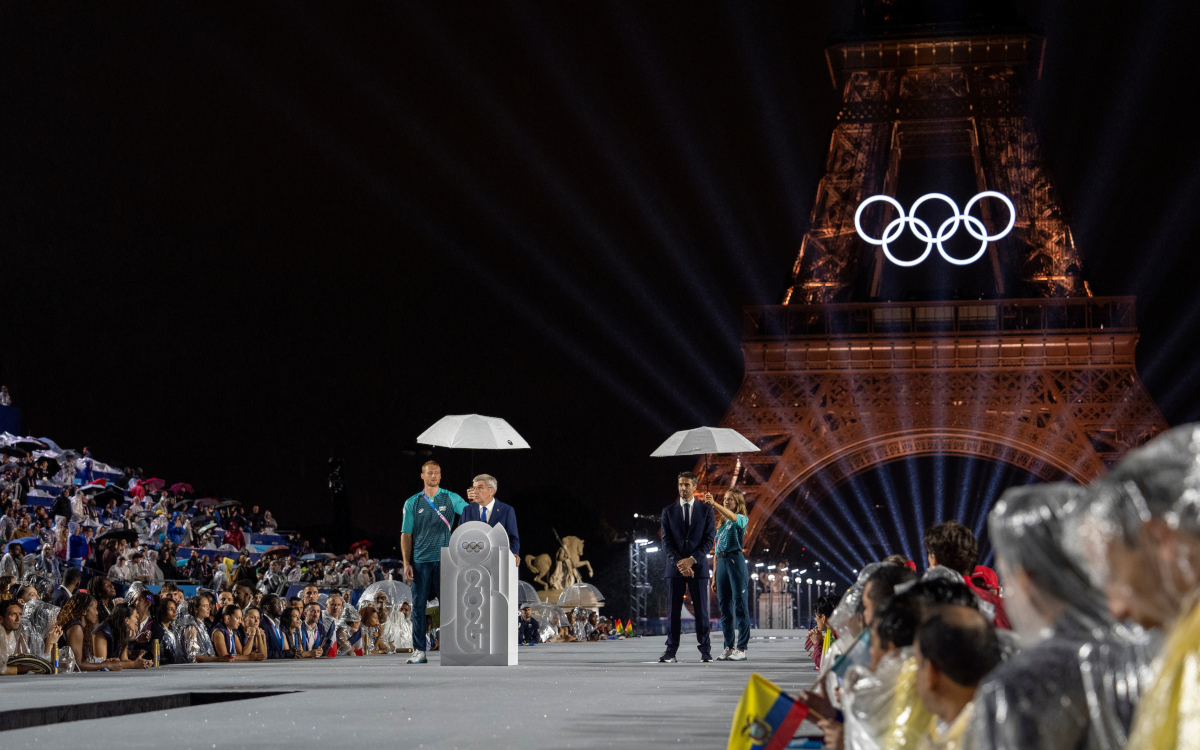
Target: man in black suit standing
[(687, 536)]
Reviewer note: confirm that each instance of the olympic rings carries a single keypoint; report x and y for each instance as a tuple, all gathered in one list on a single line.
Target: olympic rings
[(473, 546), (921, 230)]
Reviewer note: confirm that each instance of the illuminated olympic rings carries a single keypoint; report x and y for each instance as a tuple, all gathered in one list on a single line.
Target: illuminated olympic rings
[(922, 232)]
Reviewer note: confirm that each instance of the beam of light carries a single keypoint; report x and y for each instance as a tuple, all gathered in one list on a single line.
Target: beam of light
[(781, 136), (893, 503), (636, 184), (263, 90), (1120, 127), (834, 528), (965, 489), (1171, 235), (670, 112), (370, 88), (831, 565), (1175, 343), (904, 400), (559, 189)]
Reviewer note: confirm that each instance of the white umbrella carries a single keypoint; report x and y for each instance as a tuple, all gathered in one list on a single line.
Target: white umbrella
[(705, 440), (472, 431)]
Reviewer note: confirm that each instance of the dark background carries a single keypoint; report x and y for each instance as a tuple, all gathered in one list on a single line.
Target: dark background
[(236, 240)]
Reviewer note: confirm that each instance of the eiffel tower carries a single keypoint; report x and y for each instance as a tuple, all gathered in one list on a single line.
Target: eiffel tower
[(1010, 360)]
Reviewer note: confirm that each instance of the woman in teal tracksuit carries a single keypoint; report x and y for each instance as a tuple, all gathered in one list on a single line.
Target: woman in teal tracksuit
[(731, 579)]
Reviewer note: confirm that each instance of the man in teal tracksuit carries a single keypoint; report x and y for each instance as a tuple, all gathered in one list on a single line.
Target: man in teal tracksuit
[(428, 520)]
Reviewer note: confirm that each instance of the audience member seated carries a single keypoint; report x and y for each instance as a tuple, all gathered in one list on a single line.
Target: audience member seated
[(253, 637), (314, 635), (113, 637), (527, 628), (77, 619), (1045, 696), (273, 629), (19, 654), (955, 648), (226, 643), (1143, 544), (65, 590), (192, 640), (163, 618), (373, 642), (953, 546)]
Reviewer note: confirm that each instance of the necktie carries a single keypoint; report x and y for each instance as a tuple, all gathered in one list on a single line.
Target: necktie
[(687, 516), (483, 513)]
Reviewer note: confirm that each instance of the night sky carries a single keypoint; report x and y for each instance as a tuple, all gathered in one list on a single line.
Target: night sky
[(238, 240)]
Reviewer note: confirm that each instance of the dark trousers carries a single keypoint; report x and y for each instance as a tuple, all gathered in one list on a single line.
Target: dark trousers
[(426, 585), (698, 588), (733, 580)]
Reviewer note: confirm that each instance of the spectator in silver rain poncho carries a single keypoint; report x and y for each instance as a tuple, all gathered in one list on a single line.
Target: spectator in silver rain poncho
[(1080, 673), (1140, 539), (192, 641)]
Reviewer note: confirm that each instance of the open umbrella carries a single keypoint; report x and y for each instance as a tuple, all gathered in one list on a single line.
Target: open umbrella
[(705, 440), (316, 556), (364, 543), (581, 595), (389, 562), (14, 451), (526, 593), (52, 464), (30, 444), (153, 485), (109, 494), (227, 504), (182, 487), (94, 487), (179, 505), (30, 543), (278, 549), (473, 431), (128, 535)]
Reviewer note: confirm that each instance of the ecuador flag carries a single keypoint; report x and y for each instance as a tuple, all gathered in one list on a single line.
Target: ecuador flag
[(766, 717)]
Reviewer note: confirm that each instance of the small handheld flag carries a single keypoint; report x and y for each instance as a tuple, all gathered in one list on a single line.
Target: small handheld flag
[(766, 717)]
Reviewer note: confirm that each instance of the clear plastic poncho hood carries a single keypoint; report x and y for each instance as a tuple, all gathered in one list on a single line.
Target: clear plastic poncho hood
[(1080, 674)]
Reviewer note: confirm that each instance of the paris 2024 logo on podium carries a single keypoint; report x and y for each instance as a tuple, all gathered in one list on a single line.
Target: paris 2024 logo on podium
[(479, 598)]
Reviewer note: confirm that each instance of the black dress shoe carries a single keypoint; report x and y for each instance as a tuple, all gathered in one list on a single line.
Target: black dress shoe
[(705, 657), (667, 658)]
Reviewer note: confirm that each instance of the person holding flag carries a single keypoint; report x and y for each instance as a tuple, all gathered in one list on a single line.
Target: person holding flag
[(766, 717), (428, 521)]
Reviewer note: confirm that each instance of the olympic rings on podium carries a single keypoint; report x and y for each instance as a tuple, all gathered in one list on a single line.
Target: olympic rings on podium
[(922, 232)]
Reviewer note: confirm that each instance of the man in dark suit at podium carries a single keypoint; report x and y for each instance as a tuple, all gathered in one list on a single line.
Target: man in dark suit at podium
[(485, 507), (687, 536)]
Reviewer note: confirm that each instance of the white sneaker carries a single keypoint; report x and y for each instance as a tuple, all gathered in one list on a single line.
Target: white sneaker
[(738, 656), (418, 657), (725, 655)]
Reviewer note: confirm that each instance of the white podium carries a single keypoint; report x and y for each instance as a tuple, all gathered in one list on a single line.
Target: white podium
[(478, 598)]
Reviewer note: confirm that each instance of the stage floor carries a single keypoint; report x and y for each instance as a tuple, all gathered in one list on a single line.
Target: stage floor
[(571, 695)]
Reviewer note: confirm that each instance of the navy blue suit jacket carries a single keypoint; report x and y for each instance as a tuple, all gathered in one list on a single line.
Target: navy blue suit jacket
[(680, 542), (502, 514)]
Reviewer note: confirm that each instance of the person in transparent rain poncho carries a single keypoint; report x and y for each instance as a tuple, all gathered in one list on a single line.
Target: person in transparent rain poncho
[(391, 600), (1079, 673), (193, 643), (881, 708), (1140, 539)]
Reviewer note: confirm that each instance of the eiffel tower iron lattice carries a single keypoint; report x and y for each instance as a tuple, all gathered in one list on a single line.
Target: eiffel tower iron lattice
[(1040, 375)]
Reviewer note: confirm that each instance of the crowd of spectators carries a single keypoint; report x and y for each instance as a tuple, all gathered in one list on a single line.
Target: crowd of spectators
[(1087, 633), (83, 543)]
